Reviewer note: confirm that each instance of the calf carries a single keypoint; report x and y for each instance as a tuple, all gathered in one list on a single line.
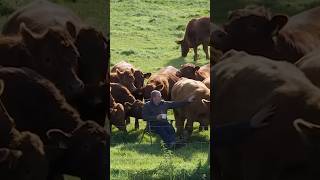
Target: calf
[(38, 106), (197, 32), (117, 115), (194, 72), (197, 111), (122, 95), (125, 78)]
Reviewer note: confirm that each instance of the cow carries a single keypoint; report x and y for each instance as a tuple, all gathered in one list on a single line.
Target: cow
[(125, 78), (22, 154), (39, 107), (198, 111), (197, 32), (133, 107), (163, 81), (207, 82), (255, 30), (243, 84), (194, 72), (117, 114), (52, 54), (139, 76), (93, 47), (91, 43), (310, 65)]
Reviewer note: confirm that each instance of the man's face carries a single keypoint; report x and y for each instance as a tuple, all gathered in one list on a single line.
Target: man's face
[(156, 99)]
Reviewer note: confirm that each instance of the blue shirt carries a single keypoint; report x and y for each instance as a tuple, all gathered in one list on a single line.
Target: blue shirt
[(150, 111)]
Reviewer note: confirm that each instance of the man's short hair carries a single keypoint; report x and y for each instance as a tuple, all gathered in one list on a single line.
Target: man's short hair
[(155, 92)]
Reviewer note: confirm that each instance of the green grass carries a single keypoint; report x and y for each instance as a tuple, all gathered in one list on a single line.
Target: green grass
[(143, 32)]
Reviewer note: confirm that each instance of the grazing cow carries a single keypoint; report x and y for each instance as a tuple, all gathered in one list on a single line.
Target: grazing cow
[(254, 30), (91, 44), (197, 32), (52, 54), (243, 84), (117, 114), (163, 81), (39, 107), (198, 111), (132, 106), (194, 72), (139, 76), (124, 78), (22, 154)]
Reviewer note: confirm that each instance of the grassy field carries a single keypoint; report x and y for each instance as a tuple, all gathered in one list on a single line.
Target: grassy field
[(94, 14), (143, 32)]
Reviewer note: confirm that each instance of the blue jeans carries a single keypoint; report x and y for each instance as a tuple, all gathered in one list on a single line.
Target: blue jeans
[(165, 130)]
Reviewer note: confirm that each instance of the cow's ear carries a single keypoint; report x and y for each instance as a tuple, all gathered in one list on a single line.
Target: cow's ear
[(159, 87), (27, 35), (132, 70), (146, 75), (178, 74), (197, 68), (277, 23), (59, 137), (178, 41), (118, 72), (127, 105), (71, 29)]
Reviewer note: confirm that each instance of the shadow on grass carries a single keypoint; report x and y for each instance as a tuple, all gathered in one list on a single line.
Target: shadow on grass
[(166, 170), (177, 62)]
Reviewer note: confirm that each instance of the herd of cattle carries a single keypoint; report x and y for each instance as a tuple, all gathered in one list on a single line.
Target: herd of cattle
[(127, 92), (53, 95), (268, 58)]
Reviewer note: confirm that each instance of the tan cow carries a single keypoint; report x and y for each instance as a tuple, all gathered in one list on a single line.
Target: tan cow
[(197, 111)]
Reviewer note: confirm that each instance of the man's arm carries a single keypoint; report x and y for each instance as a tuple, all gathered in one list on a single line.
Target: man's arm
[(147, 115), (176, 104)]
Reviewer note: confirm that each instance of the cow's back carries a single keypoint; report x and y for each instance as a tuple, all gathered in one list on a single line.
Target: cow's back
[(32, 16)]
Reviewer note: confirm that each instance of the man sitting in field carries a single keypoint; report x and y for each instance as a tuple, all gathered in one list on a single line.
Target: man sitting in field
[(155, 113)]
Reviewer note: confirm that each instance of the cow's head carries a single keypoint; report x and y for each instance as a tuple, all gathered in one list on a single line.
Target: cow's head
[(188, 71), (94, 50), (85, 149), (134, 109), (140, 77), (184, 47), (251, 29), (146, 90), (55, 57), (117, 117), (127, 79)]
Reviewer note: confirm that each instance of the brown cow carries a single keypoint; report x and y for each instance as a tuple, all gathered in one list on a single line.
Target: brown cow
[(207, 82), (117, 114), (163, 81), (125, 78), (198, 111), (52, 54), (310, 66), (194, 72), (91, 44), (132, 106), (22, 154), (255, 30), (243, 84), (38, 106), (197, 32), (139, 76)]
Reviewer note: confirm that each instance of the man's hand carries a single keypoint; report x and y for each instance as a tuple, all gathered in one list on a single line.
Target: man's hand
[(259, 118), (192, 98), (159, 117)]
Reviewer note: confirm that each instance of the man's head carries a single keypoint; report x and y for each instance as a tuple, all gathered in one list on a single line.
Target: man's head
[(156, 97)]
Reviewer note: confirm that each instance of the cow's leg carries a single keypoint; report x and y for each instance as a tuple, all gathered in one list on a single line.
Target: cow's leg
[(127, 120), (189, 127), (179, 122), (136, 124), (195, 50), (205, 49)]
